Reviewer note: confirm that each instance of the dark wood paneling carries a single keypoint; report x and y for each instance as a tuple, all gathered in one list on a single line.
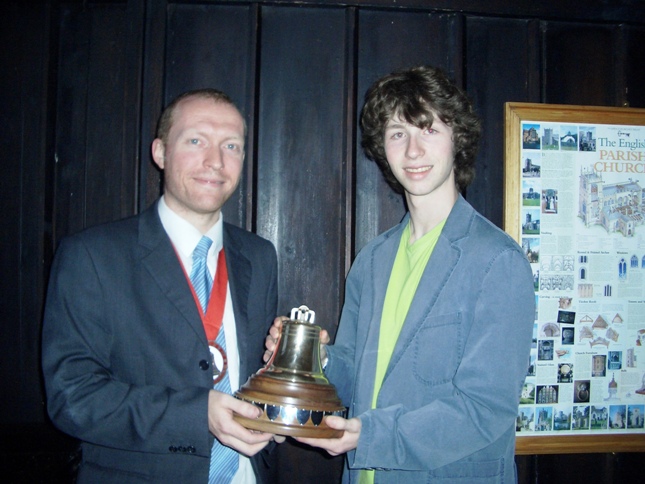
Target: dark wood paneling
[(300, 198), (502, 64), (630, 11), (388, 41), (110, 174), (579, 64), (634, 61), (96, 177), (153, 22), (71, 122), (24, 62)]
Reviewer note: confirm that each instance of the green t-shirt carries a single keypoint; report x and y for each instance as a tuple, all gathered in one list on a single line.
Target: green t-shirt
[(409, 264)]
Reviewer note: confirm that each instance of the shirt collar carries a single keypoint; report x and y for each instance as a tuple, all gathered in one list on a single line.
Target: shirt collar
[(185, 236)]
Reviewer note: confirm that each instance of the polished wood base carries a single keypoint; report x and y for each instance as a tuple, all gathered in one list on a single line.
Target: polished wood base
[(293, 408)]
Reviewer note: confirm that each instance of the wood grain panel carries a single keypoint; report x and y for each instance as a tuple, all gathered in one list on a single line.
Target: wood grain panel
[(152, 20), (634, 60), (110, 173), (24, 187), (71, 122), (579, 64), (501, 64), (301, 182), (388, 41)]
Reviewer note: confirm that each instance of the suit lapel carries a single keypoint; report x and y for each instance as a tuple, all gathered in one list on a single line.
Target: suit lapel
[(160, 260), (239, 278)]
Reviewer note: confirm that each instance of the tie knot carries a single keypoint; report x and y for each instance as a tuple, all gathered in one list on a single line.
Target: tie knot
[(202, 248)]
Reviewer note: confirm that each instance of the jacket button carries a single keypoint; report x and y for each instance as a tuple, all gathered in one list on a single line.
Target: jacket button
[(204, 365)]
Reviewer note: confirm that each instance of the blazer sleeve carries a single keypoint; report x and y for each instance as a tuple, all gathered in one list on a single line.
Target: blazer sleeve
[(86, 360)]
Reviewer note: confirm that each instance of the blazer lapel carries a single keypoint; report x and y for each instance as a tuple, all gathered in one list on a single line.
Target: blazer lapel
[(381, 260), (161, 261), (239, 279), (441, 264)]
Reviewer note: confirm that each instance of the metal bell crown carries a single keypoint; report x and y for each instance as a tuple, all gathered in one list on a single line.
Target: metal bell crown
[(297, 354), (292, 390)]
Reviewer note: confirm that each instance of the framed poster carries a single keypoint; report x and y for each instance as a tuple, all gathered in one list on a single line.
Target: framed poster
[(574, 199)]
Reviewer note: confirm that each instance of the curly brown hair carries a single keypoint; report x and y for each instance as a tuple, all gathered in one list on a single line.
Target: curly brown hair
[(416, 95)]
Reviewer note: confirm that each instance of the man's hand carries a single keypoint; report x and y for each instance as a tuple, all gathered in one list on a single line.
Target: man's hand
[(273, 337), (345, 443), (271, 341), (229, 432)]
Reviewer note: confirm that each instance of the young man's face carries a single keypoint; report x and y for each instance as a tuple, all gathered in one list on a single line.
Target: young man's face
[(421, 159), (202, 158)]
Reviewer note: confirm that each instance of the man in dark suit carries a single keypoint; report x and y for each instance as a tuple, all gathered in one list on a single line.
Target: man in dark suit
[(132, 356)]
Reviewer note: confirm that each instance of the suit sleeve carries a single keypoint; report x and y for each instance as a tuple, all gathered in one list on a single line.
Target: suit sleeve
[(86, 360)]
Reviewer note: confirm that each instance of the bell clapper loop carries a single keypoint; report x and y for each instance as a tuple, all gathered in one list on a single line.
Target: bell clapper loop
[(303, 313)]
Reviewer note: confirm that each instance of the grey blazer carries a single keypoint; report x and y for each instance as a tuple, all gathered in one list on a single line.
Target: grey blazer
[(447, 407), (124, 350)]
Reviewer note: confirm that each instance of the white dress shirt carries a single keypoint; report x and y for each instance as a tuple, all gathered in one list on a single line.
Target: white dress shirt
[(185, 237)]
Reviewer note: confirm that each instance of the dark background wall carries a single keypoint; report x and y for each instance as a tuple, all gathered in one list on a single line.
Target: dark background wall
[(81, 86)]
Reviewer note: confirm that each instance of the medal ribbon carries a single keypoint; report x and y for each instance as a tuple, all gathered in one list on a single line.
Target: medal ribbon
[(214, 317)]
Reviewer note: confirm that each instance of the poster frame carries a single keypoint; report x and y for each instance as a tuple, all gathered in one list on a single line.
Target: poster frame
[(514, 114)]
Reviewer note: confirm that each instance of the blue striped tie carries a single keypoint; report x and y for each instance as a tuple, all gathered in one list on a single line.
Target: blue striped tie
[(200, 276), (224, 460)]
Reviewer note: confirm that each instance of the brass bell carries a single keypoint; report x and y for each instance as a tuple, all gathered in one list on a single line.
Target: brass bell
[(291, 390)]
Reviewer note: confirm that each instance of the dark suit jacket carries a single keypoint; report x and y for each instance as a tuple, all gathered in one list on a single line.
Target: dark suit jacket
[(124, 347)]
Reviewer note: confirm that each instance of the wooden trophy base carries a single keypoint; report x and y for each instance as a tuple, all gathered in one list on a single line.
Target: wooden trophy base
[(293, 408)]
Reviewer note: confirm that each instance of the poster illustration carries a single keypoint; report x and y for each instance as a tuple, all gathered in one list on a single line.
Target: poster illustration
[(581, 224)]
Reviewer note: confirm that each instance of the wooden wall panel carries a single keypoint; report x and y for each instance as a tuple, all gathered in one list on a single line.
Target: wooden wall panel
[(579, 64), (387, 41), (96, 178), (634, 61), (110, 174), (213, 46), (502, 64), (71, 122), (152, 22), (300, 185), (24, 188)]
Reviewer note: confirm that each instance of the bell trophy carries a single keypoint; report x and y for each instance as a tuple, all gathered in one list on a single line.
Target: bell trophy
[(291, 390)]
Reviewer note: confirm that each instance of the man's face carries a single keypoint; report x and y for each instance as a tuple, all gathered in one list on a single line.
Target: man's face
[(202, 158), (421, 159)]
